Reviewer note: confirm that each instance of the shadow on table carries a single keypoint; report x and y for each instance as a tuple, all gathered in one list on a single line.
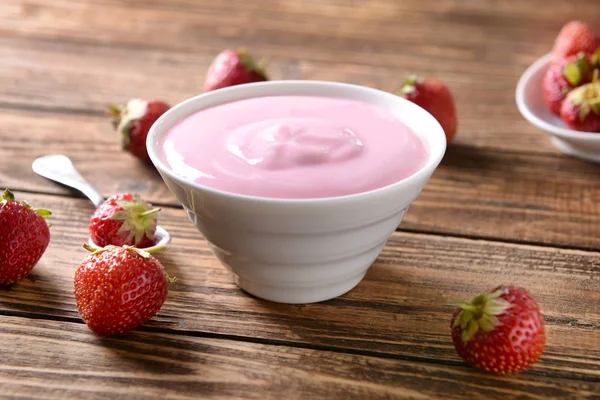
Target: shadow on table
[(365, 314), (43, 291), (148, 352), (488, 160)]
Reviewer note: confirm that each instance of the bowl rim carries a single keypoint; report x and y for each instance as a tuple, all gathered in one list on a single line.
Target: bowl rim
[(435, 137), (529, 115)]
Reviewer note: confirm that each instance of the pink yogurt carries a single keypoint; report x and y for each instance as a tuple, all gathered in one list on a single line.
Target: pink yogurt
[(293, 147)]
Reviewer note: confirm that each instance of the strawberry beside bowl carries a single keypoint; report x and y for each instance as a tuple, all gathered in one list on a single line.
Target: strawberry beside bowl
[(530, 101), (298, 250)]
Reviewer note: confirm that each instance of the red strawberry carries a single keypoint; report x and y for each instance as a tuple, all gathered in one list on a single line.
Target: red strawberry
[(24, 237), (575, 37), (119, 288), (581, 109), (233, 67), (124, 219), (133, 122), (565, 74), (500, 331), (435, 97)]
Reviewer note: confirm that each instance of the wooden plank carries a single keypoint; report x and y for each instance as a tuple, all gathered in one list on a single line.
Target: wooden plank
[(85, 77), (400, 310), (58, 360), (371, 28), (370, 48), (503, 195), (88, 140)]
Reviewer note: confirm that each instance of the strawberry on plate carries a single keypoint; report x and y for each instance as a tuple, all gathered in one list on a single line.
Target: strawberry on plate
[(124, 219), (501, 331), (119, 288), (581, 108), (563, 75), (575, 37), (133, 122), (233, 67), (435, 97), (24, 237)]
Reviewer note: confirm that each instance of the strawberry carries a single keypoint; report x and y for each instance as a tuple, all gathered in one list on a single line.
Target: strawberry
[(133, 122), (581, 108), (435, 97), (565, 74), (500, 331), (24, 237), (233, 67), (575, 37), (124, 219), (119, 288)]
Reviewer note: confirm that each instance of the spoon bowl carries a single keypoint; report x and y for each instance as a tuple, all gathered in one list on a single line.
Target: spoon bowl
[(163, 238), (60, 169)]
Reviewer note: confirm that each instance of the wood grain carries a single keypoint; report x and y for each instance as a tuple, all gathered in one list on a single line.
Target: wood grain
[(490, 46), (503, 195), (399, 311), (63, 62), (78, 77), (71, 362)]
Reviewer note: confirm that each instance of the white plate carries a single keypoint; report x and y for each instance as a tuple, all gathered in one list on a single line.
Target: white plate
[(530, 101)]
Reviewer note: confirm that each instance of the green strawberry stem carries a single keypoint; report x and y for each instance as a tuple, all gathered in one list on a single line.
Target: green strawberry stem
[(91, 249), (155, 248), (145, 252), (150, 212), (480, 313)]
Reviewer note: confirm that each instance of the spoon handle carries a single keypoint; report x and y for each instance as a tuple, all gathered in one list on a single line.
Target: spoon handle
[(59, 168)]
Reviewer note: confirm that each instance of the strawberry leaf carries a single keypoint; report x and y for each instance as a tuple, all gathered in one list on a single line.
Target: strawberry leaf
[(42, 212), (471, 330), (125, 204), (120, 215), (408, 86), (8, 195), (596, 59), (130, 236), (138, 219), (247, 61), (572, 74), (582, 63), (150, 232), (481, 312), (139, 235)]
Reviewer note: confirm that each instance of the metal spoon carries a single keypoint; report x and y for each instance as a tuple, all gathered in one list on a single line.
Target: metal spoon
[(59, 168)]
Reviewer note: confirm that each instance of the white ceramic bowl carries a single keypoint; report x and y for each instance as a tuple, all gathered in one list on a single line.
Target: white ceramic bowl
[(305, 250), (530, 101)]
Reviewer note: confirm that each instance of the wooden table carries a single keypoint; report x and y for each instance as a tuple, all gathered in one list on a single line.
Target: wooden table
[(503, 207)]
